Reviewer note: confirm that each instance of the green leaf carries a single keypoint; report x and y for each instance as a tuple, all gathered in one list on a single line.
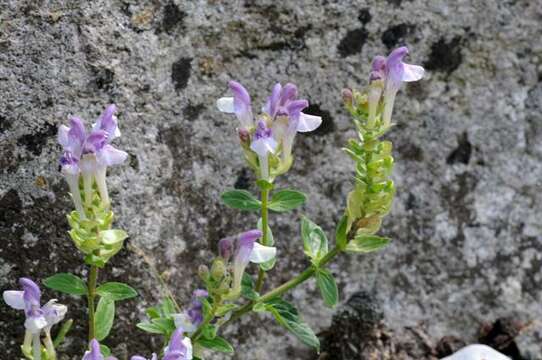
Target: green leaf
[(112, 237), (66, 283), (315, 243), (166, 324), (241, 199), (153, 312), (224, 309), (247, 287), (328, 287), (105, 350), (367, 243), (341, 232), (105, 314), (209, 332), (286, 200), (168, 307), (217, 344), (287, 316), (116, 291), (268, 265), (150, 328), (264, 184)]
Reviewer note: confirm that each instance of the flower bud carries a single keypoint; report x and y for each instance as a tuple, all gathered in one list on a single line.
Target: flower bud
[(203, 272), (218, 269), (244, 137), (348, 97)]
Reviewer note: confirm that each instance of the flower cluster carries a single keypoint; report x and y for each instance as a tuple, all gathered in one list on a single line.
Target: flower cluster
[(89, 155), (268, 138), (38, 318)]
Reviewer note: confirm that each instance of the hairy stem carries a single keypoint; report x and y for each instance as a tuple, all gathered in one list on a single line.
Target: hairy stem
[(92, 278), (302, 277), (265, 222)]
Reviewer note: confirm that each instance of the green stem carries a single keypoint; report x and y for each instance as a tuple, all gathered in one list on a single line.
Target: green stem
[(265, 222), (92, 278), (305, 275)]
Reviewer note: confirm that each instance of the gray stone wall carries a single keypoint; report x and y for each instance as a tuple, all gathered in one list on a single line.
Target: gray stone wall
[(466, 223)]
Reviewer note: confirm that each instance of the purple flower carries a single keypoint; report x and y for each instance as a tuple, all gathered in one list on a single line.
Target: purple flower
[(244, 249), (392, 71), (137, 357), (286, 111), (95, 353), (263, 144), (189, 320), (89, 155), (283, 114), (38, 318), (239, 104), (179, 347)]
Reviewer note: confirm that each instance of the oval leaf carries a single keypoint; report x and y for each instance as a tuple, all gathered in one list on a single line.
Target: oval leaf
[(105, 314), (286, 200), (112, 237), (66, 283), (217, 344), (241, 199), (116, 291), (328, 287), (315, 243), (367, 243), (150, 328)]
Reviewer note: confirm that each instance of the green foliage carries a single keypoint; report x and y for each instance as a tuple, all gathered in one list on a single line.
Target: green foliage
[(315, 243), (105, 315), (218, 344), (247, 287), (341, 236), (288, 317), (161, 319), (264, 185), (66, 283), (367, 243), (116, 291), (286, 200), (241, 199), (105, 350), (328, 287)]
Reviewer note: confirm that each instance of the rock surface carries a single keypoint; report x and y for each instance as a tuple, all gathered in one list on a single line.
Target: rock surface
[(468, 146)]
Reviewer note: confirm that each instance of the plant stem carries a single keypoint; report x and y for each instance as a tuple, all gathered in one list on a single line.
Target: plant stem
[(305, 275), (261, 273), (92, 278)]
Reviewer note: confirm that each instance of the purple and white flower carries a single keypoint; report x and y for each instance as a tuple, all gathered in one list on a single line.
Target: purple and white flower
[(94, 353), (179, 347), (392, 71), (189, 320), (282, 117), (89, 155), (244, 249), (263, 145), (239, 105), (38, 318)]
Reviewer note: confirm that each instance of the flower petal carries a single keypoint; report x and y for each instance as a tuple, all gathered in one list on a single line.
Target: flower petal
[(109, 156), (32, 292), (261, 253), (295, 107), (54, 313), (308, 122), (95, 141), (412, 72), (108, 122), (225, 105), (63, 138), (241, 104), (477, 351), (34, 324), (14, 299), (263, 146), (289, 93), (272, 104)]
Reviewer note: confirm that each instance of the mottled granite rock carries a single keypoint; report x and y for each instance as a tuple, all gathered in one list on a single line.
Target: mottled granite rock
[(466, 222)]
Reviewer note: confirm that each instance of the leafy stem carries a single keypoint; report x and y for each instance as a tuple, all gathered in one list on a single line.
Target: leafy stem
[(92, 278), (265, 221), (278, 291), (208, 318)]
